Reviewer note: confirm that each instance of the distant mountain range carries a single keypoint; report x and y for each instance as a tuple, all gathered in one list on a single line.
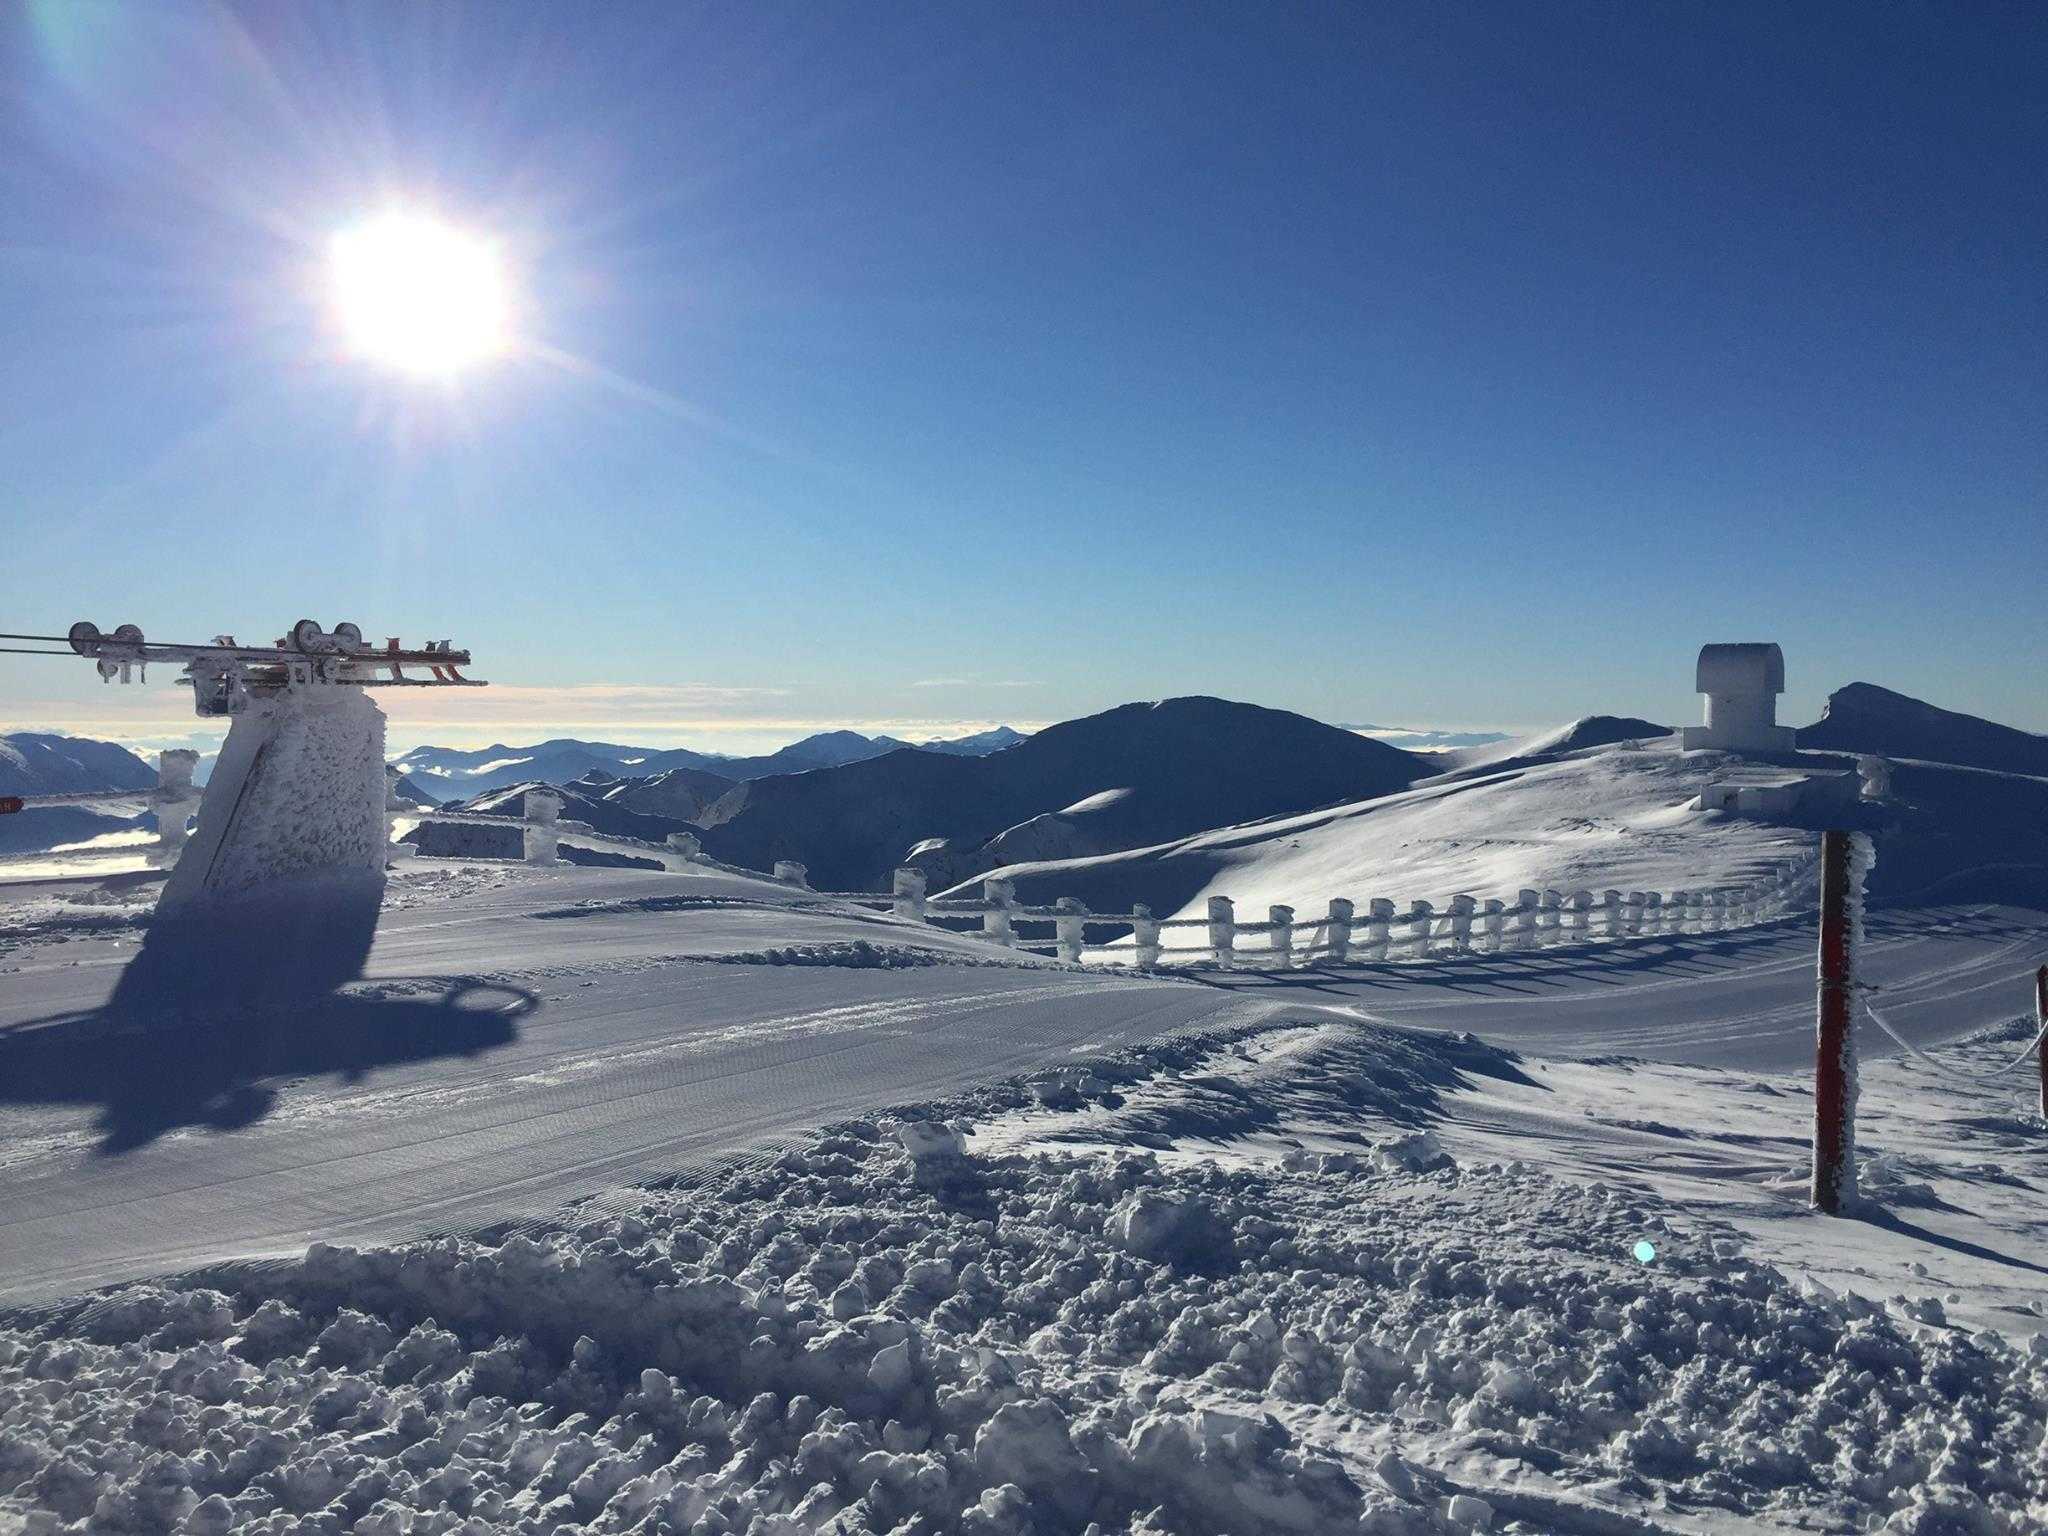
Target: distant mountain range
[(36, 763), (450, 773), (32, 763), (853, 807), (1132, 775)]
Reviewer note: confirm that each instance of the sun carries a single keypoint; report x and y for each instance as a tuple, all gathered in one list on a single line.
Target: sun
[(418, 295)]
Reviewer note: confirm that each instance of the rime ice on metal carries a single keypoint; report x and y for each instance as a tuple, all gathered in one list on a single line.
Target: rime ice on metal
[(300, 787)]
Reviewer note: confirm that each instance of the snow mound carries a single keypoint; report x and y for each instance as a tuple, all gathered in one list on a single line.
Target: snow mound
[(824, 1341), (1575, 736)]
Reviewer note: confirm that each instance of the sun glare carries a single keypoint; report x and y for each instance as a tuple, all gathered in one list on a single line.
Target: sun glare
[(419, 295)]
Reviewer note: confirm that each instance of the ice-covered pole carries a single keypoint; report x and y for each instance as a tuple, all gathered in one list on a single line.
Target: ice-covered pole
[(173, 802), (542, 810), (1000, 896), (2041, 1023), (1379, 927), (1462, 908), (1834, 1080), (909, 893), (394, 807), (1280, 924), (1222, 930), (1339, 930), (1145, 934), (1068, 927)]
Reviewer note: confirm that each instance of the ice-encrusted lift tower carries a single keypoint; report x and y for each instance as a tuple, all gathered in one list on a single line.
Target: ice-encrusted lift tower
[(300, 789)]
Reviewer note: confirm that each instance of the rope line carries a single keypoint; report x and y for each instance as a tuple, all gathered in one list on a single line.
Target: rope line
[(1950, 1067)]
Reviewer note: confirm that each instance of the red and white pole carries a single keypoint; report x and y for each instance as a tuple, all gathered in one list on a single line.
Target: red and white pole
[(1834, 1080)]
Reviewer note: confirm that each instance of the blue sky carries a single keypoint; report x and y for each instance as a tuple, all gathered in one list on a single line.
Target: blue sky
[(901, 366)]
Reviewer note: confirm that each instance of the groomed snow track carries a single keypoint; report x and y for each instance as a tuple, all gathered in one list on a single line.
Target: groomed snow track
[(520, 1039)]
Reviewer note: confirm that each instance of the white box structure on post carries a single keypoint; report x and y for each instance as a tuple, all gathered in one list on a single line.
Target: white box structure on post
[(1741, 683)]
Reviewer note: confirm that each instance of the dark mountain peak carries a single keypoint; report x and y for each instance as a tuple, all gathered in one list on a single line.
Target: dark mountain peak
[(1185, 764), (1864, 717)]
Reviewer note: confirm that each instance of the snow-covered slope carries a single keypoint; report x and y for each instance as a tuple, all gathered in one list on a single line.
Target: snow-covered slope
[(686, 794), (461, 840), (405, 789), (1607, 816), (1587, 731), (34, 763), (1186, 764), (37, 763)]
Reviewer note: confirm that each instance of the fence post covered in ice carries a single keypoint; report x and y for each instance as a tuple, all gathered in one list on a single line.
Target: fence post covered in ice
[(175, 800), (1527, 904), (1379, 928), (909, 893), (1001, 896), (1496, 916), (1067, 927), (542, 808), (1339, 930), (1611, 922), (1222, 929), (393, 809), (1461, 922), (1421, 919), (1280, 924), (1834, 1078), (1145, 936), (1579, 918)]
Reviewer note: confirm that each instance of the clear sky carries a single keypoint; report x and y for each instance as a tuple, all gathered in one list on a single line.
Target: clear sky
[(897, 366)]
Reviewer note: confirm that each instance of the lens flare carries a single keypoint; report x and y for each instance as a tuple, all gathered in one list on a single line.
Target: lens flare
[(420, 296)]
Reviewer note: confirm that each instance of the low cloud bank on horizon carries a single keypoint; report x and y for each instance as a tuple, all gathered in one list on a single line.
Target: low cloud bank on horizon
[(730, 720)]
